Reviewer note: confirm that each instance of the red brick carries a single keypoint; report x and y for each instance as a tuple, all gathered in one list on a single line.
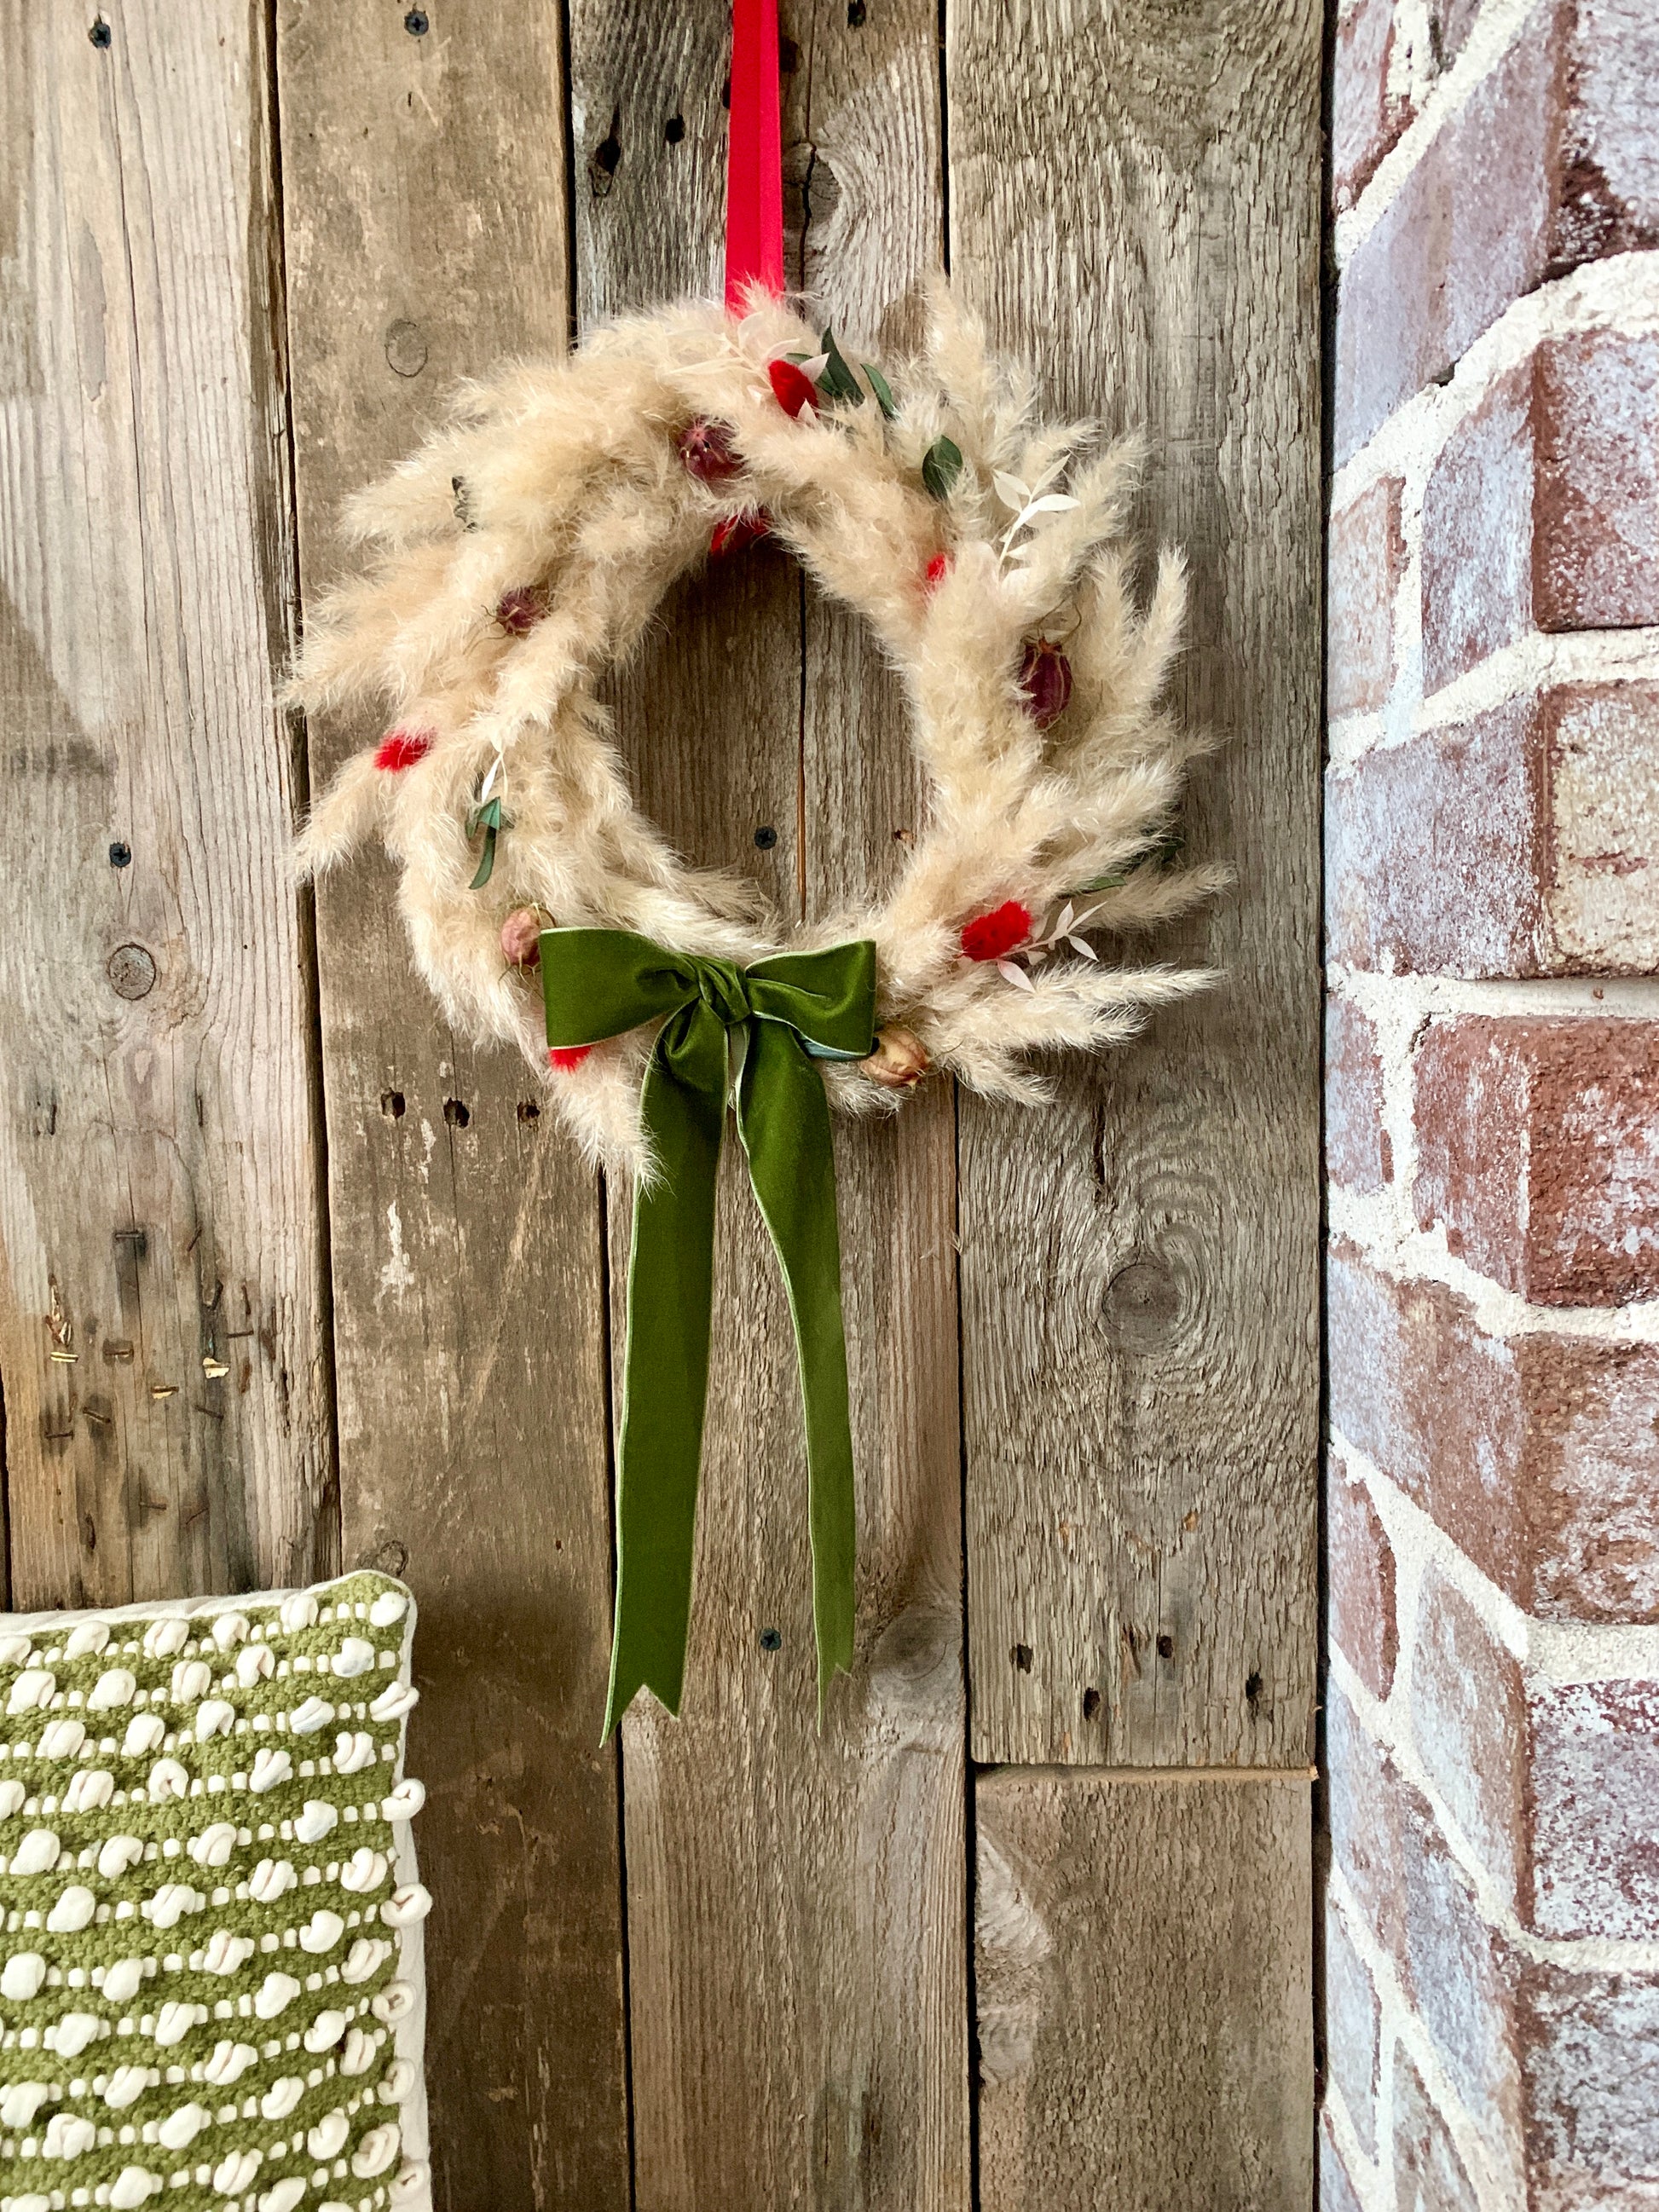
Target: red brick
[(1335, 2188), (1468, 233), (1545, 164), (1538, 1455), (1366, 119), (1608, 199), (1600, 873), (1523, 842), (1477, 533), (1433, 852), (1542, 508), (1367, 1805), (1592, 2133), (1551, 2067), (1593, 1786), (1358, 1152), (1351, 2019), (1452, 21), (1551, 1786), (1538, 1149), (1365, 558), (1429, 2175), (1362, 1584), (1595, 519), (1461, 1977), (1469, 1720)]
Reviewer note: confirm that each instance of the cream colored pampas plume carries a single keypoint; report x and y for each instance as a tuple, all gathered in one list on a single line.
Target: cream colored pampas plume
[(557, 494)]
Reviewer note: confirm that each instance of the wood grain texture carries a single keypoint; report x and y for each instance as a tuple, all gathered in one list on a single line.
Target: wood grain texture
[(1134, 194), (161, 1341), (797, 1903), (424, 194), (1144, 1985)]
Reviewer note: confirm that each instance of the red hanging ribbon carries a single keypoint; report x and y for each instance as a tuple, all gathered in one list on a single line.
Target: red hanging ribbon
[(754, 159)]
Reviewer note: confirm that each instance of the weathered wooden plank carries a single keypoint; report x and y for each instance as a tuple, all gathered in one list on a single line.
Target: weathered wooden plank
[(796, 1902), (161, 1342), (424, 197), (1134, 195), (1144, 1984)]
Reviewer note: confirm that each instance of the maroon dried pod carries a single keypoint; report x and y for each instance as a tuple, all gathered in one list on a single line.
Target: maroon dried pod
[(520, 610), (706, 449), (521, 934), (1045, 678)]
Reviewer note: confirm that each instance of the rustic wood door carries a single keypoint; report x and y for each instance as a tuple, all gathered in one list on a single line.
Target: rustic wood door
[(293, 1277)]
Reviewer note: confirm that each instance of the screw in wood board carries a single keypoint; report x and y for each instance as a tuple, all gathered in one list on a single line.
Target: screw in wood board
[(674, 129), (1091, 1704), (1023, 1657), (1166, 1647), (406, 348), (418, 23), (766, 836), (771, 1639), (132, 970), (101, 34), (120, 855)]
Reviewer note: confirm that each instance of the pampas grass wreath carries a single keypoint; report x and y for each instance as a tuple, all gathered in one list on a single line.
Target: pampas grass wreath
[(528, 548)]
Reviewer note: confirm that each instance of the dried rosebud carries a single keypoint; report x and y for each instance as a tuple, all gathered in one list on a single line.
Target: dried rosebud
[(567, 1056), (400, 748), (521, 937), (735, 533), (937, 569), (1045, 678), (520, 610), (795, 391), (706, 449), (898, 1061), (990, 936)]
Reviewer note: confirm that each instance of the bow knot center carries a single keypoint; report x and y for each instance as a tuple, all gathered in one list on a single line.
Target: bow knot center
[(723, 992)]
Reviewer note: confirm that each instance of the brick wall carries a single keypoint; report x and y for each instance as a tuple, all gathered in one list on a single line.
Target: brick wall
[(1492, 1957)]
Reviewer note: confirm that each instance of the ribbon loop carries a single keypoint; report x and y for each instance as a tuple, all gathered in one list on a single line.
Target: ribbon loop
[(775, 1016)]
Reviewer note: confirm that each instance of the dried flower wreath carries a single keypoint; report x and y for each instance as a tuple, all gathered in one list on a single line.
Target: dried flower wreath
[(528, 547), (524, 553)]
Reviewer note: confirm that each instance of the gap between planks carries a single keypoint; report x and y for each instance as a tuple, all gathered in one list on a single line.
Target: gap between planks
[(987, 1773)]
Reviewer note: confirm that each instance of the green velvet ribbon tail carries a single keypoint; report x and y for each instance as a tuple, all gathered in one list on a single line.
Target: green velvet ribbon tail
[(781, 1013)]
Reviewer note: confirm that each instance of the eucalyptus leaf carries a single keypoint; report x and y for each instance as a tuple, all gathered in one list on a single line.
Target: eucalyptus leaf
[(941, 465), (486, 817), (883, 390), (838, 379), (1168, 847)]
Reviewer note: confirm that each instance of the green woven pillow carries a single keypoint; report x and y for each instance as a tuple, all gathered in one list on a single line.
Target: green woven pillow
[(211, 1993)]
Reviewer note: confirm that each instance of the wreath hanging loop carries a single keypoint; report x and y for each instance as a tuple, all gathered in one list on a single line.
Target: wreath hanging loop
[(525, 550)]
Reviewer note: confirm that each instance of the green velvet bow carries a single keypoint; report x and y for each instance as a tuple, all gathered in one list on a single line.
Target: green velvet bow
[(776, 1017)]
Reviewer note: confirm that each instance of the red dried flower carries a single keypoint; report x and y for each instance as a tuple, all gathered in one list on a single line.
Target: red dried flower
[(1045, 678), (520, 610), (937, 569), (568, 1055), (796, 391), (992, 936), (734, 533), (706, 449), (400, 748)]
